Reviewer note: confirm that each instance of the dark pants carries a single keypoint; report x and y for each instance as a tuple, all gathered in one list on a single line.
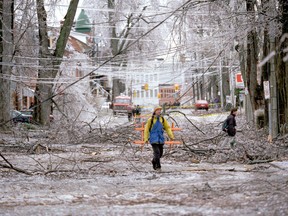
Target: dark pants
[(129, 116), (157, 154)]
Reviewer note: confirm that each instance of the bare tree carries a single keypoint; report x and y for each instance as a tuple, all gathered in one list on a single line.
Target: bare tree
[(49, 63), (119, 41), (252, 58)]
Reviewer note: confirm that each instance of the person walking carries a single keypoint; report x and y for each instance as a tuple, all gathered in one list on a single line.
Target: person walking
[(130, 110), (137, 114), (230, 128), (154, 133)]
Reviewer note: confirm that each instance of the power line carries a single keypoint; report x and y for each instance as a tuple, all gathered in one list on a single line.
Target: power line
[(114, 55)]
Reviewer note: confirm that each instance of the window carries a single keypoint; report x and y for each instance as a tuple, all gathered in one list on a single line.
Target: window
[(147, 94), (138, 93), (155, 77), (121, 100), (142, 94), (151, 93), (155, 93), (146, 78)]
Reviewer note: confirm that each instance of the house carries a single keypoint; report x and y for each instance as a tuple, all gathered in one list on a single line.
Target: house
[(80, 43)]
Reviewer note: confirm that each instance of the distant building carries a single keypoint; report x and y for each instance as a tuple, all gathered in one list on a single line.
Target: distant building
[(168, 94), (160, 76), (80, 44)]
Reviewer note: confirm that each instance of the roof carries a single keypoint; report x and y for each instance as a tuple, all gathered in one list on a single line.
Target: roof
[(83, 24)]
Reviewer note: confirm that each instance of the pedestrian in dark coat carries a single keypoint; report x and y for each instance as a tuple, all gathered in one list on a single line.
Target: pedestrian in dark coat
[(231, 130)]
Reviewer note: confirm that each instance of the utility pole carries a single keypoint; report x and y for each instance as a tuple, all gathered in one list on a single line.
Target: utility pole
[(193, 87), (272, 106), (232, 81), (202, 78), (93, 43), (221, 83), (232, 87)]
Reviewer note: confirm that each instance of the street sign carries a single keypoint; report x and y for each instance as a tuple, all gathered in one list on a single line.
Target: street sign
[(266, 90), (239, 81)]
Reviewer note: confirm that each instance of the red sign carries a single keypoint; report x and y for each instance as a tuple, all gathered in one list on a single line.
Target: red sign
[(239, 81)]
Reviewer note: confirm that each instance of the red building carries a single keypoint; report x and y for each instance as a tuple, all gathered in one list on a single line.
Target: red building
[(169, 93)]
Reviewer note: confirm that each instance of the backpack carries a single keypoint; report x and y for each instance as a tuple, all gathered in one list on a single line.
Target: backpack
[(152, 122), (225, 125)]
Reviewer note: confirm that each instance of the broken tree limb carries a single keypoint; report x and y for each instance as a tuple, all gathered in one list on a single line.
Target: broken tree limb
[(187, 119), (10, 166), (208, 139), (199, 151), (260, 161)]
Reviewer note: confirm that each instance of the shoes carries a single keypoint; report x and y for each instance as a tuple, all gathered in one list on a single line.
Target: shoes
[(154, 164), (158, 169), (232, 144)]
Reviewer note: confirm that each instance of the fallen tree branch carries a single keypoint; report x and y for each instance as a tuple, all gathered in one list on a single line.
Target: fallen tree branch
[(208, 139), (187, 119), (57, 171), (95, 160), (260, 161), (199, 151), (10, 166)]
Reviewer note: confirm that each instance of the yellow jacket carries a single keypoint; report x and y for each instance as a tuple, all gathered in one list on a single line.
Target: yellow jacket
[(165, 124)]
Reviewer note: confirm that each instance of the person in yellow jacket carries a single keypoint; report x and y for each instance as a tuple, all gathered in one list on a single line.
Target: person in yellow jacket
[(154, 133)]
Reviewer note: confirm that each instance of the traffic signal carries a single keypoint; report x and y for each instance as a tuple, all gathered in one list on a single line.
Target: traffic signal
[(176, 87), (146, 87), (159, 95)]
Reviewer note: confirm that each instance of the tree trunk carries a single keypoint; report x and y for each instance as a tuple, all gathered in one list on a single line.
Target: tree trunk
[(251, 69), (114, 47), (119, 42), (225, 80), (265, 73), (44, 95), (282, 67), (6, 52)]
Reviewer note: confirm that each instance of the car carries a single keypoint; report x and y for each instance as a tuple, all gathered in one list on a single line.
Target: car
[(30, 112), (106, 106), (27, 112), (201, 104), (147, 109), (17, 116)]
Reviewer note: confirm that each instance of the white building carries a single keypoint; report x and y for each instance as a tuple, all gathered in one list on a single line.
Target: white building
[(152, 72)]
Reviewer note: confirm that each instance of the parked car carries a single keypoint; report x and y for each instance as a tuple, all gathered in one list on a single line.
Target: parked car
[(106, 106), (30, 112), (201, 104), (147, 109), (27, 112), (17, 116)]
